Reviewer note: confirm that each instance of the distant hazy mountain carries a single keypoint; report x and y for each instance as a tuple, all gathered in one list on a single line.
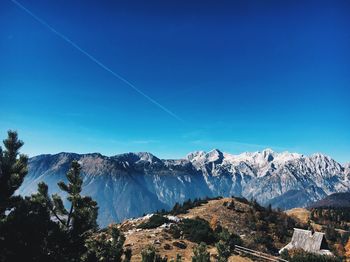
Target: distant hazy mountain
[(336, 200), (131, 184)]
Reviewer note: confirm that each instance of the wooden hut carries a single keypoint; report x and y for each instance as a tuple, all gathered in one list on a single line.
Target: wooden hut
[(308, 241)]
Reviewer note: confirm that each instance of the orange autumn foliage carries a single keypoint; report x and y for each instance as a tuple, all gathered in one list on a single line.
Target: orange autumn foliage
[(214, 222), (347, 250)]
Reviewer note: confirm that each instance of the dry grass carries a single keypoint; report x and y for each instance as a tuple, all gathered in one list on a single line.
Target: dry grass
[(137, 239), (215, 210), (234, 219), (300, 214), (159, 239), (303, 215), (239, 259)]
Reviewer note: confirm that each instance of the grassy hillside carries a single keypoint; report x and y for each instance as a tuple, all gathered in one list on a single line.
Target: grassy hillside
[(255, 227)]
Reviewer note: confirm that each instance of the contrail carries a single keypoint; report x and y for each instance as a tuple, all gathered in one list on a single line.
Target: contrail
[(92, 58)]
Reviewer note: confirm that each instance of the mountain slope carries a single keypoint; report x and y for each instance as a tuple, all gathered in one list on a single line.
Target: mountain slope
[(217, 212), (131, 184), (336, 200)]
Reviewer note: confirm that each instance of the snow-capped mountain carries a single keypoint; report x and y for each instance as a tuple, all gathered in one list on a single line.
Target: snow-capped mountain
[(131, 184)]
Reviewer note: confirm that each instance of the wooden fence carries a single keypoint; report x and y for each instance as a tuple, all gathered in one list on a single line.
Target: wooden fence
[(258, 254)]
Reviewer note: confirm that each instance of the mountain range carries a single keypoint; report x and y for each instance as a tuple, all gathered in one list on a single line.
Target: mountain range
[(131, 184), (336, 200)]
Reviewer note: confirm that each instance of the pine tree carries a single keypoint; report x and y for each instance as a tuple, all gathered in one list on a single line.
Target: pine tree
[(39, 227), (27, 232), (80, 220), (230, 239), (223, 251), (106, 246), (127, 255), (200, 253), (13, 169), (149, 254), (178, 258), (77, 223)]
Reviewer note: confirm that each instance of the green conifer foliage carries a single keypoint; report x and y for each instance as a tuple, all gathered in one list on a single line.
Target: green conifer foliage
[(106, 246), (224, 251), (200, 253), (149, 254), (80, 220), (13, 169), (27, 232)]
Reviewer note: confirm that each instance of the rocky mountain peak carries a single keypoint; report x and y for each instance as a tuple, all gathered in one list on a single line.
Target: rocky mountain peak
[(195, 155), (268, 154), (148, 157), (284, 179), (319, 157), (137, 157), (199, 158), (215, 155), (323, 162)]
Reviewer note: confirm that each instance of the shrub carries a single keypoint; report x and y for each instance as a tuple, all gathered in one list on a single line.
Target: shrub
[(178, 258), (303, 256), (106, 246), (149, 254), (224, 251), (182, 209), (200, 253), (197, 230), (241, 199), (154, 222), (175, 231), (265, 240), (188, 204), (230, 239)]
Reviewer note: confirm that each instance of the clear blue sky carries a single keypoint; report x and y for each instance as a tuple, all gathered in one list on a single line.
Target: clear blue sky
[(241, 75)]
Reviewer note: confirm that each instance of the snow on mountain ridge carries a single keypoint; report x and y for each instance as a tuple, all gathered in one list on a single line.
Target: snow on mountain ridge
[(284, 179), (261, 162), (262, 158), (259, 156)]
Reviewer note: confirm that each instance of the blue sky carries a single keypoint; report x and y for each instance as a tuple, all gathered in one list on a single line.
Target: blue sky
[(241, 76)]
